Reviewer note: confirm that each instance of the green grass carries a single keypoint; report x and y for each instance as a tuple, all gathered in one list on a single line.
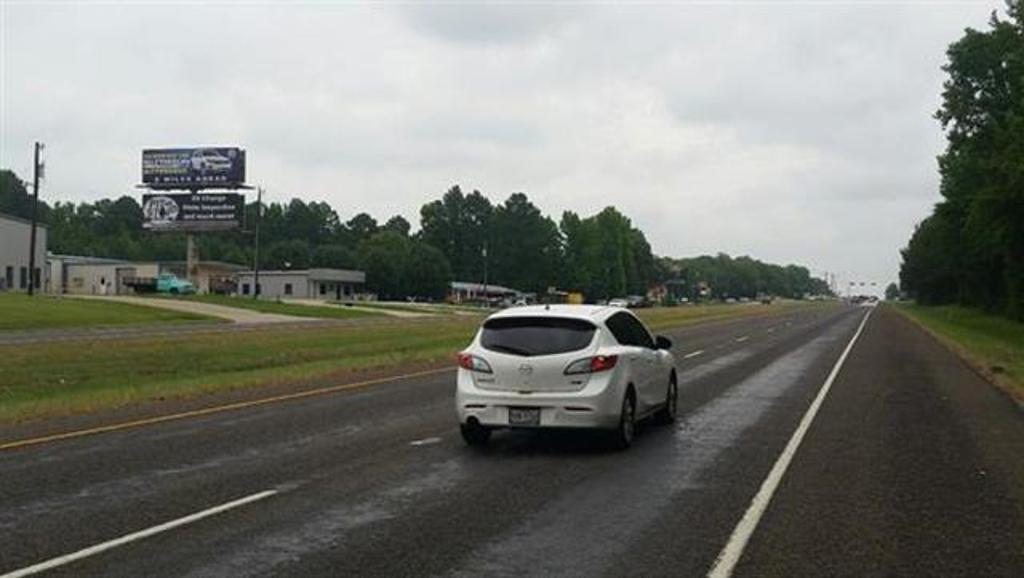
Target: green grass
[(62, 378), (280, 308), (42, 380), (19, 311), (993, 344), (658, 318)]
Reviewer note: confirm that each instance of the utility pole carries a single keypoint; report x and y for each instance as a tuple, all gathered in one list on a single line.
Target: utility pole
[(256, 249), (36, 168), (486, 299)]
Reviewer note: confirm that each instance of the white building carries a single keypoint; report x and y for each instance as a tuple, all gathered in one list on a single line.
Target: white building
[(324, 284), (92, 275), (14, 249)]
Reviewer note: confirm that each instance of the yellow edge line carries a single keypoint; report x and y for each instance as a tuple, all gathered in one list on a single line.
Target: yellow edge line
[(215, 409)]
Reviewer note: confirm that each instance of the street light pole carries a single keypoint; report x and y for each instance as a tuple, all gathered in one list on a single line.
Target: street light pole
[(35, 216)]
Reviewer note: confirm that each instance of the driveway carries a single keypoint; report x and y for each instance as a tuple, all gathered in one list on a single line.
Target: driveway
[(378, 310), (234, 314)]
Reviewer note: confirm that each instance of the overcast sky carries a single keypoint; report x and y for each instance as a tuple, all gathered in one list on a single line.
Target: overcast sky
[(789, 131)]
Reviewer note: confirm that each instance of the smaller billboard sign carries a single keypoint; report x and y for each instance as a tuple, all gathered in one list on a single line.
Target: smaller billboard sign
[(192, 211), (194, 168)]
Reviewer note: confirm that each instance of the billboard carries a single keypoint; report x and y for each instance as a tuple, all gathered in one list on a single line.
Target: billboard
[(192, 211), (194, 168)]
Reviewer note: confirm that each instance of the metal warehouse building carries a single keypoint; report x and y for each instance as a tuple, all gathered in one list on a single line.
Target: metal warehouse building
[(14, 246), (304, 284), (98, 276)]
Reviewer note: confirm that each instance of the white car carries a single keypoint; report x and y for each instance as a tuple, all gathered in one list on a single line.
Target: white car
[(564, 366), (210, 160)]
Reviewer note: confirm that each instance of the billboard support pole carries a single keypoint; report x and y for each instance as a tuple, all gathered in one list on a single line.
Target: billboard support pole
[(35, 218), (256, 249), (191, 259)]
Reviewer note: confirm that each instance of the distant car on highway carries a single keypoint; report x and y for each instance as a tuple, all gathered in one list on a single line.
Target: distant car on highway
[(564, 366), (636, 301), (620, 302)]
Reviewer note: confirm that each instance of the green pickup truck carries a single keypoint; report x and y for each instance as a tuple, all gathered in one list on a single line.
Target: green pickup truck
[(167, 283)]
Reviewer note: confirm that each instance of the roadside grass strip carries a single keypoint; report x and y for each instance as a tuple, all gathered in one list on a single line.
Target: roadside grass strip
[(991, 344), (66, 378), (20, 312)]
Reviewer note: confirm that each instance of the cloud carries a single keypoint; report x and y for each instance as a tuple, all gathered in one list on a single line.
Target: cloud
[(490, 22), (790, 131)]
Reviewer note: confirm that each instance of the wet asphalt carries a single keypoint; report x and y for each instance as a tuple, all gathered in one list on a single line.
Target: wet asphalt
[(914, 466)]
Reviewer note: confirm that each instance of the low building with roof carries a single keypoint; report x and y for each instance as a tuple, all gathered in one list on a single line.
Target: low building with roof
[(82, 275), (326, 284)]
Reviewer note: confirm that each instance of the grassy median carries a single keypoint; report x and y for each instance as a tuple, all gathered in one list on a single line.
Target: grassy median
[(19, 311), (993, 344), (42, 380), (667, 317), (63, 378)]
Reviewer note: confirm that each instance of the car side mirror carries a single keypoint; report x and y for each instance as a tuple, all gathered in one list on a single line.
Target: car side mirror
[(662, 342)]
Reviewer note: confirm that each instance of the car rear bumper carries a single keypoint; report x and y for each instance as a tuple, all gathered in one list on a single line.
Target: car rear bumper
[(592, 407)]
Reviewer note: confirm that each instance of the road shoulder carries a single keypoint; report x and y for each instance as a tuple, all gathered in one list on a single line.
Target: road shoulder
[(910, 456)]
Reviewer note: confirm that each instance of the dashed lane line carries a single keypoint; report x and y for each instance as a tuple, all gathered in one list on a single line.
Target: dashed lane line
[(135, 536), (215, 409)]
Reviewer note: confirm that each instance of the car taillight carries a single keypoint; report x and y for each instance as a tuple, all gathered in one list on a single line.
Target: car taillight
[(594, 364), (474, 363)]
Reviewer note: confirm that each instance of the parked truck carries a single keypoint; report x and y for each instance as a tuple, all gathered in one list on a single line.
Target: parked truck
[(167, 283)]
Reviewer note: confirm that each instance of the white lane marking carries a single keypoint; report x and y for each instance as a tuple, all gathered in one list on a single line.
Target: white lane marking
[(425, 441), (694, 354), (742, 339), (730, 555), (98, 548)]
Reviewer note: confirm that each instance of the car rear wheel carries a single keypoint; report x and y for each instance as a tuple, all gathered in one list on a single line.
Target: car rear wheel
[(475, 434), (624, 434), (667, 414)]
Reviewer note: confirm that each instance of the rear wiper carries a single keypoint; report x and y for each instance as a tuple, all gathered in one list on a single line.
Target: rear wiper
[(510, 349)]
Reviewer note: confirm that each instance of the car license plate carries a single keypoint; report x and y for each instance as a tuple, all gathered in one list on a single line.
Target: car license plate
[(524, 416)]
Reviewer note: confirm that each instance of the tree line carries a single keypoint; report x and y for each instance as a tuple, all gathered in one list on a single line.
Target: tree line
[(970, 250), (740, 277), (462, 236)]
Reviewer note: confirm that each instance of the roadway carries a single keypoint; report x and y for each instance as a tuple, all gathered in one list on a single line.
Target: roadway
[(911, 465)]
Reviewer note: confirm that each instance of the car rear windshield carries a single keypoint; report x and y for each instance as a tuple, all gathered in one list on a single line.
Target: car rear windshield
[(529, 336)]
